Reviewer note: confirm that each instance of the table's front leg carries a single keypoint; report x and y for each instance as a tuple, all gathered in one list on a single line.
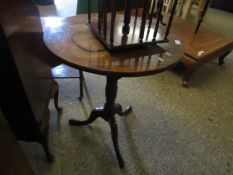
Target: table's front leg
[(108, 114), (114, 133), (111, 109)]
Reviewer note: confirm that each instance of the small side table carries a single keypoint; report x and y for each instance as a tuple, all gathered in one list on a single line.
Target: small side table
[(72, 41)]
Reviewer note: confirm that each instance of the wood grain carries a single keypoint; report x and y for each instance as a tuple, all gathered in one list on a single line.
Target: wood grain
[(86, 53)]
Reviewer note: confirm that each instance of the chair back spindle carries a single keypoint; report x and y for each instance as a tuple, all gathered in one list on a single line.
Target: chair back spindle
[(113, 17), (171, 19), (136, 8), (117, 31), (127, 17), (144, 18), (151, 14)]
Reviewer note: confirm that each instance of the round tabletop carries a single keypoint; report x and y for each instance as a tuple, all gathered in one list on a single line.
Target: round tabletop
[(71, 40)]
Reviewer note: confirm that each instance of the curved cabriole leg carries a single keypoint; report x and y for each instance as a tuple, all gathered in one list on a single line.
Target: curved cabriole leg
[(98, 112), (45, 146), (114, 133), (120, 111), (56, 95), (189, 72), (58, 108), (108, 114), (221, 58), (42, 137)]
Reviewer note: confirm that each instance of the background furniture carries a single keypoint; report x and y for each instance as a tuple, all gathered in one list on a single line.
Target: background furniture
[(77, 47), (25, 94), (14, 8), (200, 48), (26, 80), (12, 159)]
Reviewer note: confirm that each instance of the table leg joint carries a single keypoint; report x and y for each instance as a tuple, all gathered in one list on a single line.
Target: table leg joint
[(108, 114)]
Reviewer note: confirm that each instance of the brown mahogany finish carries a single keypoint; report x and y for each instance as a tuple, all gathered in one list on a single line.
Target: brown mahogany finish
[(200, 48), (129, 31), (74, 43), (108, 114)]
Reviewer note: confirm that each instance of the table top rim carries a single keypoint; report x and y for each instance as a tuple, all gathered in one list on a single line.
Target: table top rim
[(108, 72)]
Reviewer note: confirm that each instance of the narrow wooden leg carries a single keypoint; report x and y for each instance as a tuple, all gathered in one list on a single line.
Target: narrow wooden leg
[(187, 76), (45, 146), (108, 114), (114, 133), (43, 137), (120, 112), (221, 58), (81, 79), (55, 95), (59, 109), (98, 112), (110, 111)]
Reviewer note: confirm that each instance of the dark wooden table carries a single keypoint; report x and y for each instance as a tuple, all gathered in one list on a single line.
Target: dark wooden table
[(71, 40)]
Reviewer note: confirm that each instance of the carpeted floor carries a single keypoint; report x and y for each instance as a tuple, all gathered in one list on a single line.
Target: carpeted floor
[(171, 131)]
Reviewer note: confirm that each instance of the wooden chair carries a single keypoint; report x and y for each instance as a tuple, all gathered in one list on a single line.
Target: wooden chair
[(27, 8), (26, 82), (25, 93)]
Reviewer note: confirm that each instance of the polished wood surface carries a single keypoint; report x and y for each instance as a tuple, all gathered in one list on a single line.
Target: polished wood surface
[(200, 48), (12, 158), (202, 44), (72, 41)]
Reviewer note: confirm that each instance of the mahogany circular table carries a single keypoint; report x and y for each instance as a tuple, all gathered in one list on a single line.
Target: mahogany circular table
[(71, 40)]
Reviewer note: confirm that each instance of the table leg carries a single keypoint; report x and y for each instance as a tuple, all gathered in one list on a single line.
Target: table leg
[(221, 58), (108, 114)]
